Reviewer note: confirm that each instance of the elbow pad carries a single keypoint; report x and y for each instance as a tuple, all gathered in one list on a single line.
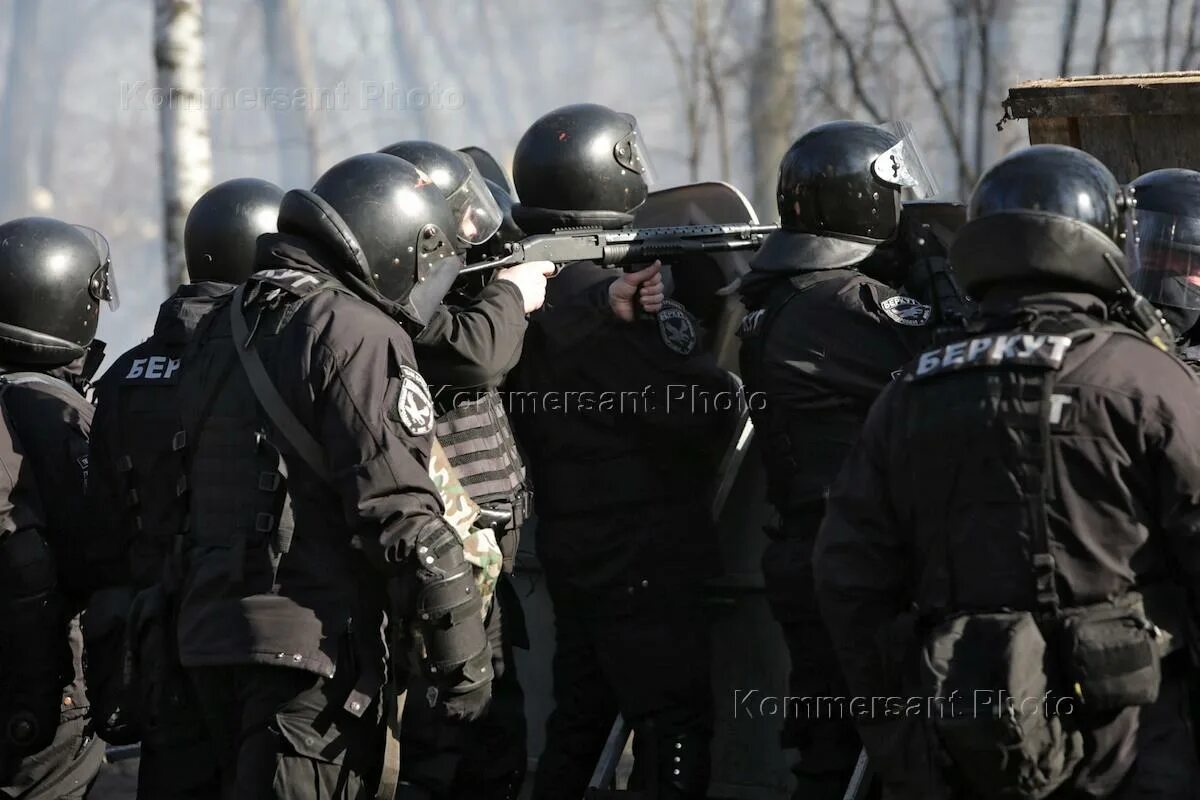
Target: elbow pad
[(457, 654)]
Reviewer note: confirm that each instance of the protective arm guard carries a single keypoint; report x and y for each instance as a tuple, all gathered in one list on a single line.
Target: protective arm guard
[(448, 608)]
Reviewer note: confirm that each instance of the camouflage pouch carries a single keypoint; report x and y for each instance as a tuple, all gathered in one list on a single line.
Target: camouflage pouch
[(479, 544), (992, 708)]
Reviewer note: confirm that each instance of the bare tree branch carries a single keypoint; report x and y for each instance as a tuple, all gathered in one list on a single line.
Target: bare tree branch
[(686, 73), (772, 95), (1101, 62), (852, 62), (1168, 31), (938, 91), (962, 43), (1189, 48), (1068, 37), (716, 89), (985, 11)]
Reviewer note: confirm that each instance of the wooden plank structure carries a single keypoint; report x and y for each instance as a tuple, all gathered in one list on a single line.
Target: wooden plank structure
[(1133, 123)]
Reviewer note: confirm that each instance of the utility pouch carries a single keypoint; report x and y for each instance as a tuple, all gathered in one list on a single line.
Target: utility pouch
[(985, 677), (1111, 654), (991, 708)]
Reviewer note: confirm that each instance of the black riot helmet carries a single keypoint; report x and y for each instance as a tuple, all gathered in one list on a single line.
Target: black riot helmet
[(580, 165), (390, 228), (489, 168), (843, 180), (1162, 244), (1047, 215), (461, 183), (53, 277), (223, 226)]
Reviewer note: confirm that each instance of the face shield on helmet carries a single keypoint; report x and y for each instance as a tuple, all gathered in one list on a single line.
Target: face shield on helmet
[(103, 284), (632, 154), (902, 166), (476, 212), (1163, 259)]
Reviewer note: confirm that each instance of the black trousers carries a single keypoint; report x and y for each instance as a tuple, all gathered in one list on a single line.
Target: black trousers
[(638, 646), (483, 759), (822, 732), (63, 770), (178, 758), (283, 733)]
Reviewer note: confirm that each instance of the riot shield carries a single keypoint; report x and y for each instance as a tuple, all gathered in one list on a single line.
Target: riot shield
[(490, 168), (698, 281)]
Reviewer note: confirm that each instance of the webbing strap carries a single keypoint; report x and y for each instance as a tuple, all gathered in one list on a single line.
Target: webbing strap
[(268, 396)]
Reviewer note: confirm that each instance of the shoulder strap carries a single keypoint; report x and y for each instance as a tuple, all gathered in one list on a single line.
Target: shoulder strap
[(273, 404)]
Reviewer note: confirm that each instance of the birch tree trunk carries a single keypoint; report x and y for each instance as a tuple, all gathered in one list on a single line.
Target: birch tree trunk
[(183, 122), (772, 96)]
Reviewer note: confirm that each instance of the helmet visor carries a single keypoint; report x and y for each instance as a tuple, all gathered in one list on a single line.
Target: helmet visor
[(903, 166), (632, 154), (103, 285), (476, 212), (1163, 257)]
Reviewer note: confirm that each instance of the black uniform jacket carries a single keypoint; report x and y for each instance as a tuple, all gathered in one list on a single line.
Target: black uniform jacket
[(817, 348), (929, 511), (347, 372)]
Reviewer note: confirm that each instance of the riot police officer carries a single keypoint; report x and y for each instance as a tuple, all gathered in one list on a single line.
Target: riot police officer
[(55, 276), (821, 340), (1164, 250), (465, 352), (137, 469), (1019, 519), (312, 517), (611, 410)]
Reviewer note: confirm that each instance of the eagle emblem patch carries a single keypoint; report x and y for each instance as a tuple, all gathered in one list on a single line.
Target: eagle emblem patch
[(676, 328), (414, 404)]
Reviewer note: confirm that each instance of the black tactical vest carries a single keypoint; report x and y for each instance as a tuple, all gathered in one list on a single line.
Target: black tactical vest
[(479, 442), (149, 446), (982, 451)]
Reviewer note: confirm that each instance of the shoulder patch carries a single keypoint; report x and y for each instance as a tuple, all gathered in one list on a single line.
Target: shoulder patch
[(676, 328), (906, 311), (1022, 349), (414, 404)]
